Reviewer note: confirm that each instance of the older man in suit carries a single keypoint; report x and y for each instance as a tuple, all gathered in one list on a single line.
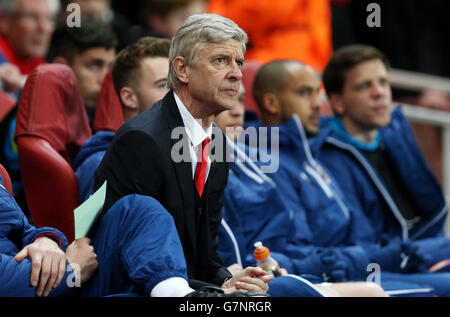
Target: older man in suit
[(164, 151)]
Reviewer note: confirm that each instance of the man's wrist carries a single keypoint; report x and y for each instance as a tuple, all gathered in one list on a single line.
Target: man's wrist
[(226, 280), (53, 237)]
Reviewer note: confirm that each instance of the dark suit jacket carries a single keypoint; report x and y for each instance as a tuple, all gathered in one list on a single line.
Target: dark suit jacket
[(139, 161)]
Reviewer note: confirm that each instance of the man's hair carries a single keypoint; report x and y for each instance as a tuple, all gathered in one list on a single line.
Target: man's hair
[(271, 78), (70, 41), (197, 31), (344, 59), (127, 66)]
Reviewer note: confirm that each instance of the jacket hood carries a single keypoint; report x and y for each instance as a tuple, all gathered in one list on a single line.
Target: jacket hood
[(100, 141)]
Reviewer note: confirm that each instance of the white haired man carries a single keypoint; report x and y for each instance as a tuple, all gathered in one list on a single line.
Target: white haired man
[(146, 158)]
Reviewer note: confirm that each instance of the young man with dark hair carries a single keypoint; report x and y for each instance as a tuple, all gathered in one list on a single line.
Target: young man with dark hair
[(90, 51), (139, 74), (370, 149)]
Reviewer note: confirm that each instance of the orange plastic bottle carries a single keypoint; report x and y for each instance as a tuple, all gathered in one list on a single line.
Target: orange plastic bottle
[(265, 261)]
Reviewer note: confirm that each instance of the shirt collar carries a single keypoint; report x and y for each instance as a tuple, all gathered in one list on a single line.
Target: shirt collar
[(339, 128), (194, 130)]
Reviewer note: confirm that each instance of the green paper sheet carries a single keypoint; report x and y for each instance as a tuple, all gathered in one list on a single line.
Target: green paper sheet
[(87, 212)]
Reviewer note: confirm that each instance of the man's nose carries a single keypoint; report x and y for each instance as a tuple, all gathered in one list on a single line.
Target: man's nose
[(102, 74), (316, 101), (235, 72), (45, 24), (378, 90)]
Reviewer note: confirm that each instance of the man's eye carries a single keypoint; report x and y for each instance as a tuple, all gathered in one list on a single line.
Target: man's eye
[(162, 85), (363, 85), (240, 64), (305, 92), (93, 66), (220, 60)]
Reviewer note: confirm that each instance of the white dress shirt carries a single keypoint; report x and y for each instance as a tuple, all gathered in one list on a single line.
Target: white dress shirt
[(195, 133)]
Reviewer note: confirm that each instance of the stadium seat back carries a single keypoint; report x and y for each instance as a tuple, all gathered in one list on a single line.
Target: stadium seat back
[(108, 114), (51, 128), (51, 186)]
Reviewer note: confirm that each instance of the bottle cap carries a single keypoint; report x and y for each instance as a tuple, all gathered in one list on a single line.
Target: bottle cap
[(261, 252)]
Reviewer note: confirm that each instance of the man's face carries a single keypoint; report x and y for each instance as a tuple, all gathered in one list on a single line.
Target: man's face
[(90, 68), (30, 28), (151, 85), (365, 102), (300, 96), (232, 121), (215, 75)]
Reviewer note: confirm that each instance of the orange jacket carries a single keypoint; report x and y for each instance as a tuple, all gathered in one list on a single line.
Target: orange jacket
[(282, 29)]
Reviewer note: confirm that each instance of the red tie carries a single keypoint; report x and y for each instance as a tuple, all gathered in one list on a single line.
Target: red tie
[(200, 171)]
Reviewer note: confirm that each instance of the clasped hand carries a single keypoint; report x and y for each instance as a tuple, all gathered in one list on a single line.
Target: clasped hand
[(250, 279)]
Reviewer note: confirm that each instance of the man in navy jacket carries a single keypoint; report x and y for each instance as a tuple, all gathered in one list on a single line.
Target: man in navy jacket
[(40, 267), (371, 152)]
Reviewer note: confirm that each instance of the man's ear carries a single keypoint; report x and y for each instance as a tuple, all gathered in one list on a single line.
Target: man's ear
[(130, 102), (181, 69), (60, 60), (336, 103), (271, 103)]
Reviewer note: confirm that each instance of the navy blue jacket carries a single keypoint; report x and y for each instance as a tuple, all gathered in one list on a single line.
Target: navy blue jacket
[(294, 212), (366, 191), (88, 159)]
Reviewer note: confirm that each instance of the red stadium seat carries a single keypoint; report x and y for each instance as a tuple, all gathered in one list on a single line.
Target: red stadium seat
[(249, 70), (108, 115), (52, 126), (6, 180)]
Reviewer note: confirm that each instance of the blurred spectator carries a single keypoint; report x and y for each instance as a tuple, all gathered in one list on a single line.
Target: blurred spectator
[(162, 18), (97, 9), (101, 10), (282, 29), (90, 52), (25, 30), (26, 27)]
